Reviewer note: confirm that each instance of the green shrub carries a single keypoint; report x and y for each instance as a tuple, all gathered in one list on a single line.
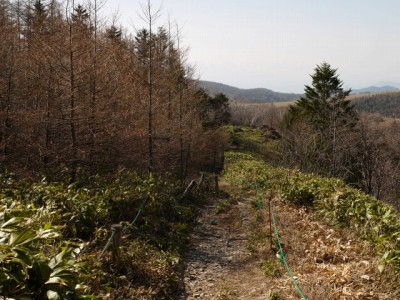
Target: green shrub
[(348, 206), (332, 198), (274, 296), (31, 266), (86, 211), (270, 268), (142, 271)]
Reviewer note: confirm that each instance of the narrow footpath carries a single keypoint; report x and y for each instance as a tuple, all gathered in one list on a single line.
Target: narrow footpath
[(218, 263)]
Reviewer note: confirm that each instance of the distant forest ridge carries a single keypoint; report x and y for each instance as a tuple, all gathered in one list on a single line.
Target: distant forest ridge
[(256, 95), (386, 103), (263, 95), (383, 100), (375, 89)]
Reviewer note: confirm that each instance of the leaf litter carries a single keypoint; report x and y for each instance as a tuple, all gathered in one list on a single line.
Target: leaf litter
[(328, 262)]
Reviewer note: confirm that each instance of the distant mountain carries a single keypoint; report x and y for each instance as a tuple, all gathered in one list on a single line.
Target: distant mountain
[(375, 89), (389, 83), (248, 95), (262, 95)]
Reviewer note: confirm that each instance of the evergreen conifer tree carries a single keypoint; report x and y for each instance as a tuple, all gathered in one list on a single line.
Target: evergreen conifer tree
[(327, 119), (324, 102)]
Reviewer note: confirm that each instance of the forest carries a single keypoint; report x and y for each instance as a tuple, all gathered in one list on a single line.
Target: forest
[(97, 123), (386, 104), (109, 151), (79, 93), (364, 152)]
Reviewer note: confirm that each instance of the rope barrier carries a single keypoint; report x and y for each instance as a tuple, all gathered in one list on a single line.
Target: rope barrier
[(138, 213), (113, 229), (282, 255), (107, 244), (137, 216)]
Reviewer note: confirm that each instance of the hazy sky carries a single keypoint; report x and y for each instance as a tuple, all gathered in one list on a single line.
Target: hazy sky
[(276, 44)]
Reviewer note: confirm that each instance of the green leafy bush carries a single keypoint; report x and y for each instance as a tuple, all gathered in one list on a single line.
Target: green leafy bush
[(85, 211), (141, 272), (31, 265), (348, 206), (247, 171), (332, 198)]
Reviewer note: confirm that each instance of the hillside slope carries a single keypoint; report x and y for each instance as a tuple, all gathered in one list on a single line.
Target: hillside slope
[(231, 258), (375, 89), (386, 104), (332, 236), (383, 100), (247, 95)]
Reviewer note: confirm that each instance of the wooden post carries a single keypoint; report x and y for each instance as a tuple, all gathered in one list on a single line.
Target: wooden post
[(116, 241), (216, 184)]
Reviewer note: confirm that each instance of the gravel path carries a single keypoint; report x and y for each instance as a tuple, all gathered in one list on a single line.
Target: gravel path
[(218, 264)]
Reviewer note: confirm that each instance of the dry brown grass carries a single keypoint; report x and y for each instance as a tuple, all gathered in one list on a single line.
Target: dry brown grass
[(330, 262), (283, 104)]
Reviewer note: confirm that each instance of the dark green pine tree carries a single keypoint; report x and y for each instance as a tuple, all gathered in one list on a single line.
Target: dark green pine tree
[(215, 110), (113, 33), (328, 120), (324, 103)]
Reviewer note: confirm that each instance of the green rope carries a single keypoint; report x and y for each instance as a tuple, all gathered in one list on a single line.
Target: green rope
[(138, 213), (282, 253), (107, 244), (283, 256), (113, 230)]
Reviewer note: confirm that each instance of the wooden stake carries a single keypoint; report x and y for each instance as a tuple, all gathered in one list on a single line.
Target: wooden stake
[(116, 242), (216, 184)]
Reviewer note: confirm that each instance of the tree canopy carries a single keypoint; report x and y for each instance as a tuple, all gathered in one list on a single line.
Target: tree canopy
[(319, 124), (324, 102)]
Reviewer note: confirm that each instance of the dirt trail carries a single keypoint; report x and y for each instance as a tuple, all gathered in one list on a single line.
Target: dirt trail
[(218, 263), (222, 262)]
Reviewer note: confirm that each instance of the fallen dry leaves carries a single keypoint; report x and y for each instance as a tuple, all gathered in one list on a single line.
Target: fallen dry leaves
[(329, 262)]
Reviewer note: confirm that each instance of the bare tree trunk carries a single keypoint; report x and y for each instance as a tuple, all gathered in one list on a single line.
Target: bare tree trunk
[(93, 88), (150, 108), (7, 120), (171, 69), (181, 149), (189, 149), (47, 117), (72, 104), (150, 17)]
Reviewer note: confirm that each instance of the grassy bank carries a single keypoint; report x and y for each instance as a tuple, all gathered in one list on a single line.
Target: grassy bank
[(333, 200)]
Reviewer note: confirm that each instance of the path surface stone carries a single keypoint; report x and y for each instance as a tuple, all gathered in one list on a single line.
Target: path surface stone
[(217, 262)]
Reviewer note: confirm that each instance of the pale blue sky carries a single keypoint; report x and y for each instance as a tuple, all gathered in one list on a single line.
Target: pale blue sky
[(277, 43)]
